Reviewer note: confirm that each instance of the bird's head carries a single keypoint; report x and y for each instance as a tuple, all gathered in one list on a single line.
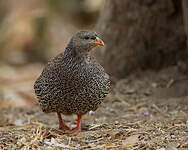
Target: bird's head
[(84, 41)]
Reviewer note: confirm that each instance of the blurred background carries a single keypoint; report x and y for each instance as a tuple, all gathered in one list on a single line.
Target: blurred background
[(32, 32), (139, 37), (145, 54)]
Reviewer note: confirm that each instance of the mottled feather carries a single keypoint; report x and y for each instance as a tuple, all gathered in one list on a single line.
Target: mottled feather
[(72, 82)]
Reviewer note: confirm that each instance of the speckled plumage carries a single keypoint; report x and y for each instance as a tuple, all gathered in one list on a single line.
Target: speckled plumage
[(72, 82)]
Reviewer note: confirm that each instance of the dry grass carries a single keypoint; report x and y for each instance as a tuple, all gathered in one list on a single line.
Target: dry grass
[(135, 115), (128, 135)]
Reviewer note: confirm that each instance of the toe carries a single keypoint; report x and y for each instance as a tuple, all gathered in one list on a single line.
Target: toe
[(64, 127), (73, 132)]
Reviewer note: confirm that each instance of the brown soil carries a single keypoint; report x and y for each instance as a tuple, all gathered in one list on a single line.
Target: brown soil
[(145, 111)]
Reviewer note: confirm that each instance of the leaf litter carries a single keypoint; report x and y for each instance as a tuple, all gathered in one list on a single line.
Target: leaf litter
[(126, 120)]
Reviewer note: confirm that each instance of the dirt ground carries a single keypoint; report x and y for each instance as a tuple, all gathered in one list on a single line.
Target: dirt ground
[(145, 111)]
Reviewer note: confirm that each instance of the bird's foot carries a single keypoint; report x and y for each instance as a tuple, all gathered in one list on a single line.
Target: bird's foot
[(63, 127), (73, 131)]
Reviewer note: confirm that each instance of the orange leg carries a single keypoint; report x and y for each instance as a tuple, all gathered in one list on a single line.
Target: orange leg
[(62, 124), (77, 129)]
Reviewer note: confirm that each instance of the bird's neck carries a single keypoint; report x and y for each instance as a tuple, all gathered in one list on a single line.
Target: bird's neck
[(75, 54)]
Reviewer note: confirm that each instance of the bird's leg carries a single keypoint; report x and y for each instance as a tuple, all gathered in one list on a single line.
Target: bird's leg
[(77, 129), (62, 124)]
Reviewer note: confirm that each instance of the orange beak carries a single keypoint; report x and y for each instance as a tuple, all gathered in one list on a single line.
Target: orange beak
[(99, 42)]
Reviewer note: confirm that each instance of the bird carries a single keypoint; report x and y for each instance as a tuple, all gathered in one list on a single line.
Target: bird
[(73, 82)]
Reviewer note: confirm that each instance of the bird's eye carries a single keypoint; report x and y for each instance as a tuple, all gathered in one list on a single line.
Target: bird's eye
[(87, 37), (93, 38)]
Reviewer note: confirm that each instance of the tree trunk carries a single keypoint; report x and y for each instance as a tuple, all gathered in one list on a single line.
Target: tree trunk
[(146, 34), (185, 13)]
